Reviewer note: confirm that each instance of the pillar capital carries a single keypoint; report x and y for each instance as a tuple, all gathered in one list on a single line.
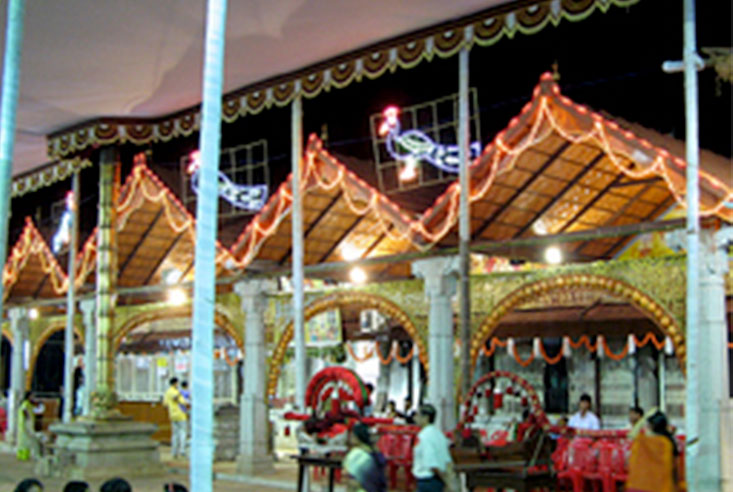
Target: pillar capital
[(87, 306), (254, 287), (715, 244), (17, 313), (440, 275)]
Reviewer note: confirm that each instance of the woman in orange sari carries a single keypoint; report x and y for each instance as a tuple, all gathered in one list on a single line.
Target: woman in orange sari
[(652, 464)]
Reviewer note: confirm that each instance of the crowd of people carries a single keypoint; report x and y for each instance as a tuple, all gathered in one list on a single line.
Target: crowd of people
[(112, 485)]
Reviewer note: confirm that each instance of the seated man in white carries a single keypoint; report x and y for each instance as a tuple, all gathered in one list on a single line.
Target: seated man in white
[(584, 419)]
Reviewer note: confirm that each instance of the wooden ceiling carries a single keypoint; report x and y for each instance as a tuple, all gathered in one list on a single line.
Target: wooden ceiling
[(556, 168)]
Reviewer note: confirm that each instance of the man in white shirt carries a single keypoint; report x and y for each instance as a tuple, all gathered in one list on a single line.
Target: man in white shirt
[(431, 458), (585, 419)]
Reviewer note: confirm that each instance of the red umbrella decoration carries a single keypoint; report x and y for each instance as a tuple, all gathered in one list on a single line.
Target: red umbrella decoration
[(354, 388)]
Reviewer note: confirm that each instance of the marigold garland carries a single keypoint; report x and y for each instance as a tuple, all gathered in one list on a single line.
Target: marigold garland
[(368, 355)]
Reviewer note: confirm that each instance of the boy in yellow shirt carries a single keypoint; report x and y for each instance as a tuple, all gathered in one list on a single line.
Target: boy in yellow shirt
[(173, 400)]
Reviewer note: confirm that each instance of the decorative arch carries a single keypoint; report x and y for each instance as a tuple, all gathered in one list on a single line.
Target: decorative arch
[(338, 300), (533, 399), (41, 341), (655, 311), (220, 319)]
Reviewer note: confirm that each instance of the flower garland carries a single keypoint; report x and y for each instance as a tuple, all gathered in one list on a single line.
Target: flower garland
[(582, 341)]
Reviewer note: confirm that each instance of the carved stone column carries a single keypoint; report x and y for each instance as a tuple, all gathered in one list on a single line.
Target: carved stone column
[(87, 308), (19, 328), (440, 276), (254, 419)]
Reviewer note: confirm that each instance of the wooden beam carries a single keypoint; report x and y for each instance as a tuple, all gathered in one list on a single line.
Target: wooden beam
[(593, 201), (40, 286), (341, 238), (312, 226), (653, 180), (140, 242), (561, 193), (164, 256), (521, 189), (659, 208), (376, 242)]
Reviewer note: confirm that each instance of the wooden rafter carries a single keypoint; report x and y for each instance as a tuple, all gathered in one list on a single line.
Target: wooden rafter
[(343, 236), (590, 204), (312, 226), (163, 257), (560, 194), (140, 242), (480, 230)]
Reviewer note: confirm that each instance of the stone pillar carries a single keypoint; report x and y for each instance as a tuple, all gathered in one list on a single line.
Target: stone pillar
[(19, 328), (439, 275), (103, 398), (713, 343), (254, 419), (105, 443), (87, 308)]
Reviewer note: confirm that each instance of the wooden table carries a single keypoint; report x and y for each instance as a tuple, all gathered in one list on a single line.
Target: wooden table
[(506, 475), (306, 460)]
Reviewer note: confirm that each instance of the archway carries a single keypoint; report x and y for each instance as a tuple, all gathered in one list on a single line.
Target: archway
[(55, 331), (6, 351), (574, 334), (661, 317), (340, 300), (221, 320)]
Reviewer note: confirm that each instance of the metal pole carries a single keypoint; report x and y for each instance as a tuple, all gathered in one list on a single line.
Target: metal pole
[(464, 220), (692, 410), (301, 378), (8, 106), (71, 302), (204, 290)]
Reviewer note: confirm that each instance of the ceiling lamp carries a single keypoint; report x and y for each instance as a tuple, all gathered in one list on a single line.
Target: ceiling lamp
[(553, 255), (172, 276), (177, 297), (33, 313), (349, 252), (357, 275)]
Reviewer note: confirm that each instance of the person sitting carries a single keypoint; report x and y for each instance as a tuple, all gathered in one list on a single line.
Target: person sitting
[(585, 419), (29, 485), (408, 414), (77, 486), (116, 485)]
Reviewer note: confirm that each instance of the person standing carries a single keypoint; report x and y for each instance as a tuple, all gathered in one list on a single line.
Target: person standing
[(653, 460), (585, 419), (431, 458), (27, 442), (179, 419)]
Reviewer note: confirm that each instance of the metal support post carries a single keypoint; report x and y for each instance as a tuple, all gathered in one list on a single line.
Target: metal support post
[(8, 106), (301, 376), (70, 302), (204, 290), (464, 220)]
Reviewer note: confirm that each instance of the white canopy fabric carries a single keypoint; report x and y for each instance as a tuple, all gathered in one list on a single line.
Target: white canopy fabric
[(84, 59)]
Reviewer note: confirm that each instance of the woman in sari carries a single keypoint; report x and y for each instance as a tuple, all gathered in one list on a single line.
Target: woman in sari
[(652, 464), (27, 441)]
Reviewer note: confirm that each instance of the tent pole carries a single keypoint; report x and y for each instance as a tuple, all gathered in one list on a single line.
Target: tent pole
[(204, 290), (301, 377), (71, 301), (8, 106), (464, 219)]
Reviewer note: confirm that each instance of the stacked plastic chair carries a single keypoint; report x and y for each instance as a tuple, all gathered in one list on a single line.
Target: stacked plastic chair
[(397, 448)]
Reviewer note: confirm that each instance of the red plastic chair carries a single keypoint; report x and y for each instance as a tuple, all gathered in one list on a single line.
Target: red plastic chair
[(402, 457), (619, 465), (579, 452)]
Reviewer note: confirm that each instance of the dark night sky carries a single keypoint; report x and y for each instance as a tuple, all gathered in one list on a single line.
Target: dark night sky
[(610, 62)]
